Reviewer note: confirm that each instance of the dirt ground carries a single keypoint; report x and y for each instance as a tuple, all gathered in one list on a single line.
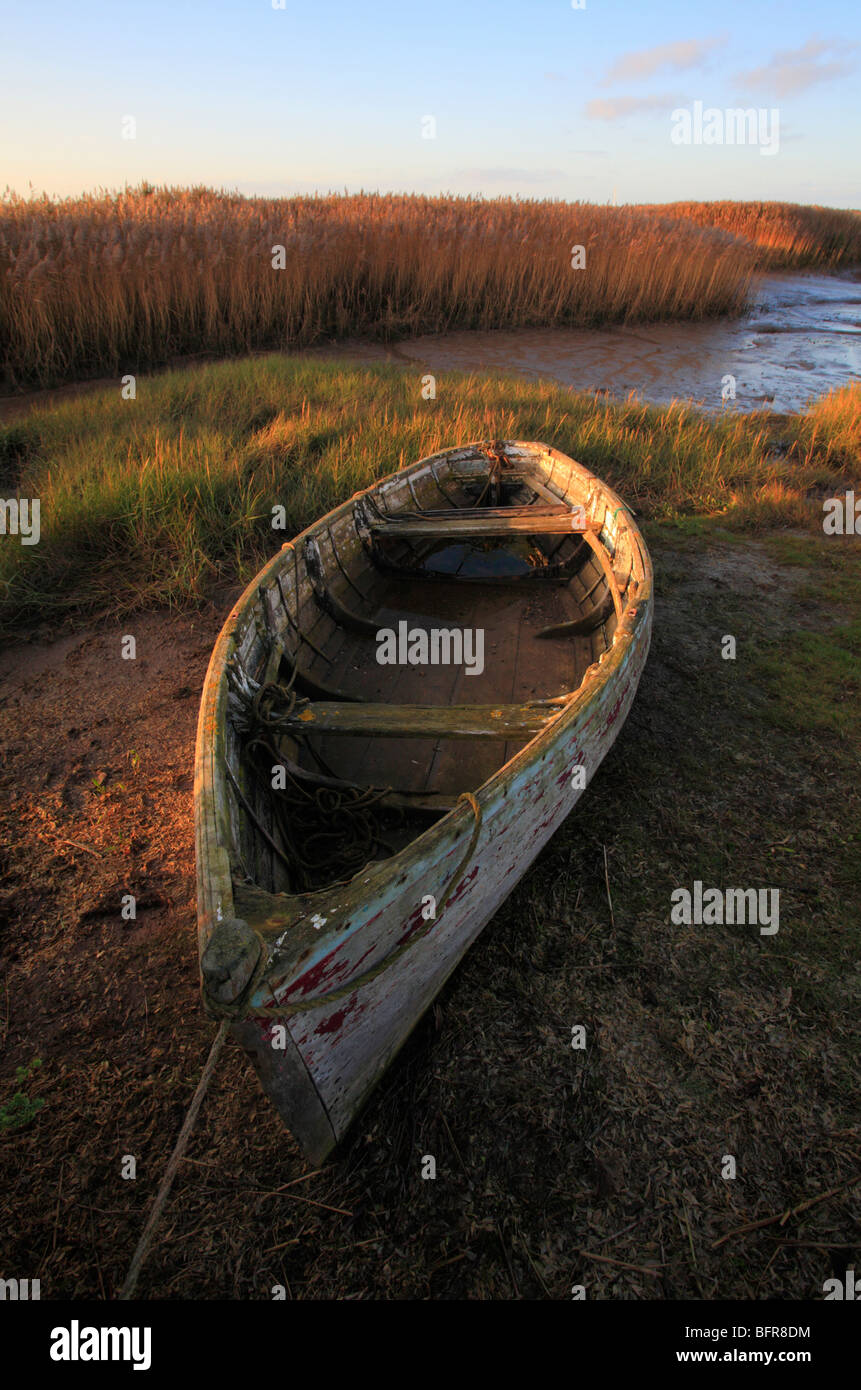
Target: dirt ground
[(555, 1167)]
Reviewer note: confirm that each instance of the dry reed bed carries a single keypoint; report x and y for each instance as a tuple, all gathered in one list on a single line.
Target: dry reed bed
[(787, 236), (109, 282)]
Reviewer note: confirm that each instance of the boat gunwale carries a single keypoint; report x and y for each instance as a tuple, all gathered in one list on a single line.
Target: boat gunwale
[(214, 882)]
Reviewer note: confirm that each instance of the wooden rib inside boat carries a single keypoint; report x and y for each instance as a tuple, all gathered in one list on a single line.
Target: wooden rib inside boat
[(326, 774), (423, 731)]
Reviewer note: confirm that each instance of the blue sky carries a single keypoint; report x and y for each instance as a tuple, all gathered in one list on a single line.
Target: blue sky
[(536, 99)]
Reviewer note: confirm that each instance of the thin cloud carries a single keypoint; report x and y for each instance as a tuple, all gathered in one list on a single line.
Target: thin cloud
[(686, 53), (617, 108), (796, 69)]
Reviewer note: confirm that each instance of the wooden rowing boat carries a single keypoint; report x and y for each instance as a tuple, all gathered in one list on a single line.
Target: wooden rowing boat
[(360, 816)]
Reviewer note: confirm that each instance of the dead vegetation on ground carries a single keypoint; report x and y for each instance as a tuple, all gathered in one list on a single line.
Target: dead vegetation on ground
[(555, 1167)]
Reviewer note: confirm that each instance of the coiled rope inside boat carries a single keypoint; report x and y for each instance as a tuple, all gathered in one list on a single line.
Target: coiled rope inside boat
[(325, 829)]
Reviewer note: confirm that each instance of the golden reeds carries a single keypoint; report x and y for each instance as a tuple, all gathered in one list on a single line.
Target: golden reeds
[(786, 235), (94, 284), (110, 281)]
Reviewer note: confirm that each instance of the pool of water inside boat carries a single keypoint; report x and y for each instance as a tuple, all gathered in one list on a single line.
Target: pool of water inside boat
[(477, 560)]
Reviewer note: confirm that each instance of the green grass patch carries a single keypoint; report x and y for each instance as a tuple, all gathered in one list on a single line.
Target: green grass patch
[(813, 675), (21, 1109), (163, 499)]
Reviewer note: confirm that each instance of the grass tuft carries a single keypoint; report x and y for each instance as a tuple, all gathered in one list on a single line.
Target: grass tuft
[(164, 499)]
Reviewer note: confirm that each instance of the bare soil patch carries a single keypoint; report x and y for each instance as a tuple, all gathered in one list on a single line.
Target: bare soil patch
[(555, 1167)]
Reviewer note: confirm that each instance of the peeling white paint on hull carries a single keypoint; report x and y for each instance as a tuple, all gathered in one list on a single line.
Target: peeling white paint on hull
[(365, 950)]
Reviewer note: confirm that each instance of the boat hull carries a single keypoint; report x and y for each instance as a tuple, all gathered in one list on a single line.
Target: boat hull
[(356, 966)]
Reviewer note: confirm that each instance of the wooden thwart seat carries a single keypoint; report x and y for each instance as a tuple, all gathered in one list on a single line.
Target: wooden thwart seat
[(538, 520), (424, 721)]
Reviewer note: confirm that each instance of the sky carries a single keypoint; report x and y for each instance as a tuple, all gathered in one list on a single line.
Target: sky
[(537, 99)]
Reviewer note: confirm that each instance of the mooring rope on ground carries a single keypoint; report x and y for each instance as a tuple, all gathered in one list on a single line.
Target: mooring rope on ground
[(158, 1205), (228, 1013)]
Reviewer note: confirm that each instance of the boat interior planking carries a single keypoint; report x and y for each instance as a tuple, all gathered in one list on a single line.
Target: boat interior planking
[(392, 772)]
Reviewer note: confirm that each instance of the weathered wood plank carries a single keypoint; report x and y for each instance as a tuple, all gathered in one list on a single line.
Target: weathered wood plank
[(425, 721), (607, 567), (579, 627), (486, 521)]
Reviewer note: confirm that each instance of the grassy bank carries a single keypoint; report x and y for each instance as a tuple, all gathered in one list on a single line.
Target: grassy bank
[(162, 499)]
